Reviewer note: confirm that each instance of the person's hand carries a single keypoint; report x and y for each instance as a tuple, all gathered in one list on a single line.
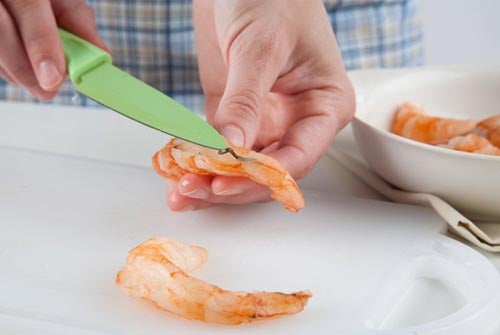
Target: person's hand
[(31, 52), (274, 81)]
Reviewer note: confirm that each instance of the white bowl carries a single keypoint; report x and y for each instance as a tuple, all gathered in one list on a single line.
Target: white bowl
[(469, 182)]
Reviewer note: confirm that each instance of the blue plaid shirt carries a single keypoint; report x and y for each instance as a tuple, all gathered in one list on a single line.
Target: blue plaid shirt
[(154, 41)]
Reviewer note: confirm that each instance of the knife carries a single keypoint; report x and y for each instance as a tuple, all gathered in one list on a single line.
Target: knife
[(93, 74)]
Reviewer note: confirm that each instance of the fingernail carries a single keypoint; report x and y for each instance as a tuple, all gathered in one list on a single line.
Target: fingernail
[(229, 191), (197, 194), (234, 135), (49, 75), (184, 183)]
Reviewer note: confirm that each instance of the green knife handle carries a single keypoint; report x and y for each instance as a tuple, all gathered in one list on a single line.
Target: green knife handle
[(81, 55)]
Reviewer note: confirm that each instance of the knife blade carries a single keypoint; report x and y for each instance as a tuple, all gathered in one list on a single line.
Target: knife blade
[(93, 74)]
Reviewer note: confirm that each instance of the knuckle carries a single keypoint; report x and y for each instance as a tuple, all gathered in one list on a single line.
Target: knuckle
[(337, 101), (269, 43), (346, 104), (244, 104), (264, 50), (266, 43)]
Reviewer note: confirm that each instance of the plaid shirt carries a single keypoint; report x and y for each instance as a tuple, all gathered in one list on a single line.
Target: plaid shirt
[(154, 41)]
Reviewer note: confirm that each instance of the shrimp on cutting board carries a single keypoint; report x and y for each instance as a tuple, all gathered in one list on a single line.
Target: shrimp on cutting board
[(179, 157), (472, 143), (156, 271), (411, 122), (490, 128)]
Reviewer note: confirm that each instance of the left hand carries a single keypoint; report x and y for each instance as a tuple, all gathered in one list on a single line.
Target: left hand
[(274, 81)]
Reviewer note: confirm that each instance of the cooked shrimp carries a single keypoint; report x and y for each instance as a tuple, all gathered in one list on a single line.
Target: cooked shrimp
[(473, 143), (490, 128), (155, 271), (494, 137), (411, 122), (180, 157)]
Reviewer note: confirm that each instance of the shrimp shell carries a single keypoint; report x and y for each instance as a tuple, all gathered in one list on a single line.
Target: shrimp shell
[(473, 143), (179, 157), (155, 271), (410, 122)]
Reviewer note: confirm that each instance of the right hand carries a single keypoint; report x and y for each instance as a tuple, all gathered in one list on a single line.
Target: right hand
[(31, 53), (273, 76)]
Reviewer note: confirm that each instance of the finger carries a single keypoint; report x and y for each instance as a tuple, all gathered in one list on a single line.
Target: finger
[(41, 94), (13, 58), (79, 18), (255, 60), (180, 203), (212, 69), (220, 189), (238, 190), (6, 76), (38, 30), (305, 142), (195, 186)]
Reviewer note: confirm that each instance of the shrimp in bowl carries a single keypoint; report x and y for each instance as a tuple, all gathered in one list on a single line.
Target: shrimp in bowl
[(490, 129), (469, 135), (411, 122), (179, 157), (472, 143), (156, 271)]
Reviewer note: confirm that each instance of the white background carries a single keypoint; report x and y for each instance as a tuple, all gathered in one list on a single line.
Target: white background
[(462, 31)]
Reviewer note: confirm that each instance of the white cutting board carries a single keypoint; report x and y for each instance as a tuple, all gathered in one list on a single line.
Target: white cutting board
[(67, 224)]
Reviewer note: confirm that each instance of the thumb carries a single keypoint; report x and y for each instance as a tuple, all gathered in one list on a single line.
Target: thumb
[(254, 64)]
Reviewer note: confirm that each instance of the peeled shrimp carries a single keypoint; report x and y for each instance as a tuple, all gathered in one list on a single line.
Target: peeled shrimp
[(473, 143), (490, 128), (411, 122), (155, 271), (179, 157)]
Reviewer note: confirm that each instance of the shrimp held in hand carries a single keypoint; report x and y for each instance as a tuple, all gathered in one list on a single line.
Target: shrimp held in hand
[(411, 122), (179, 157), (155, 271)]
